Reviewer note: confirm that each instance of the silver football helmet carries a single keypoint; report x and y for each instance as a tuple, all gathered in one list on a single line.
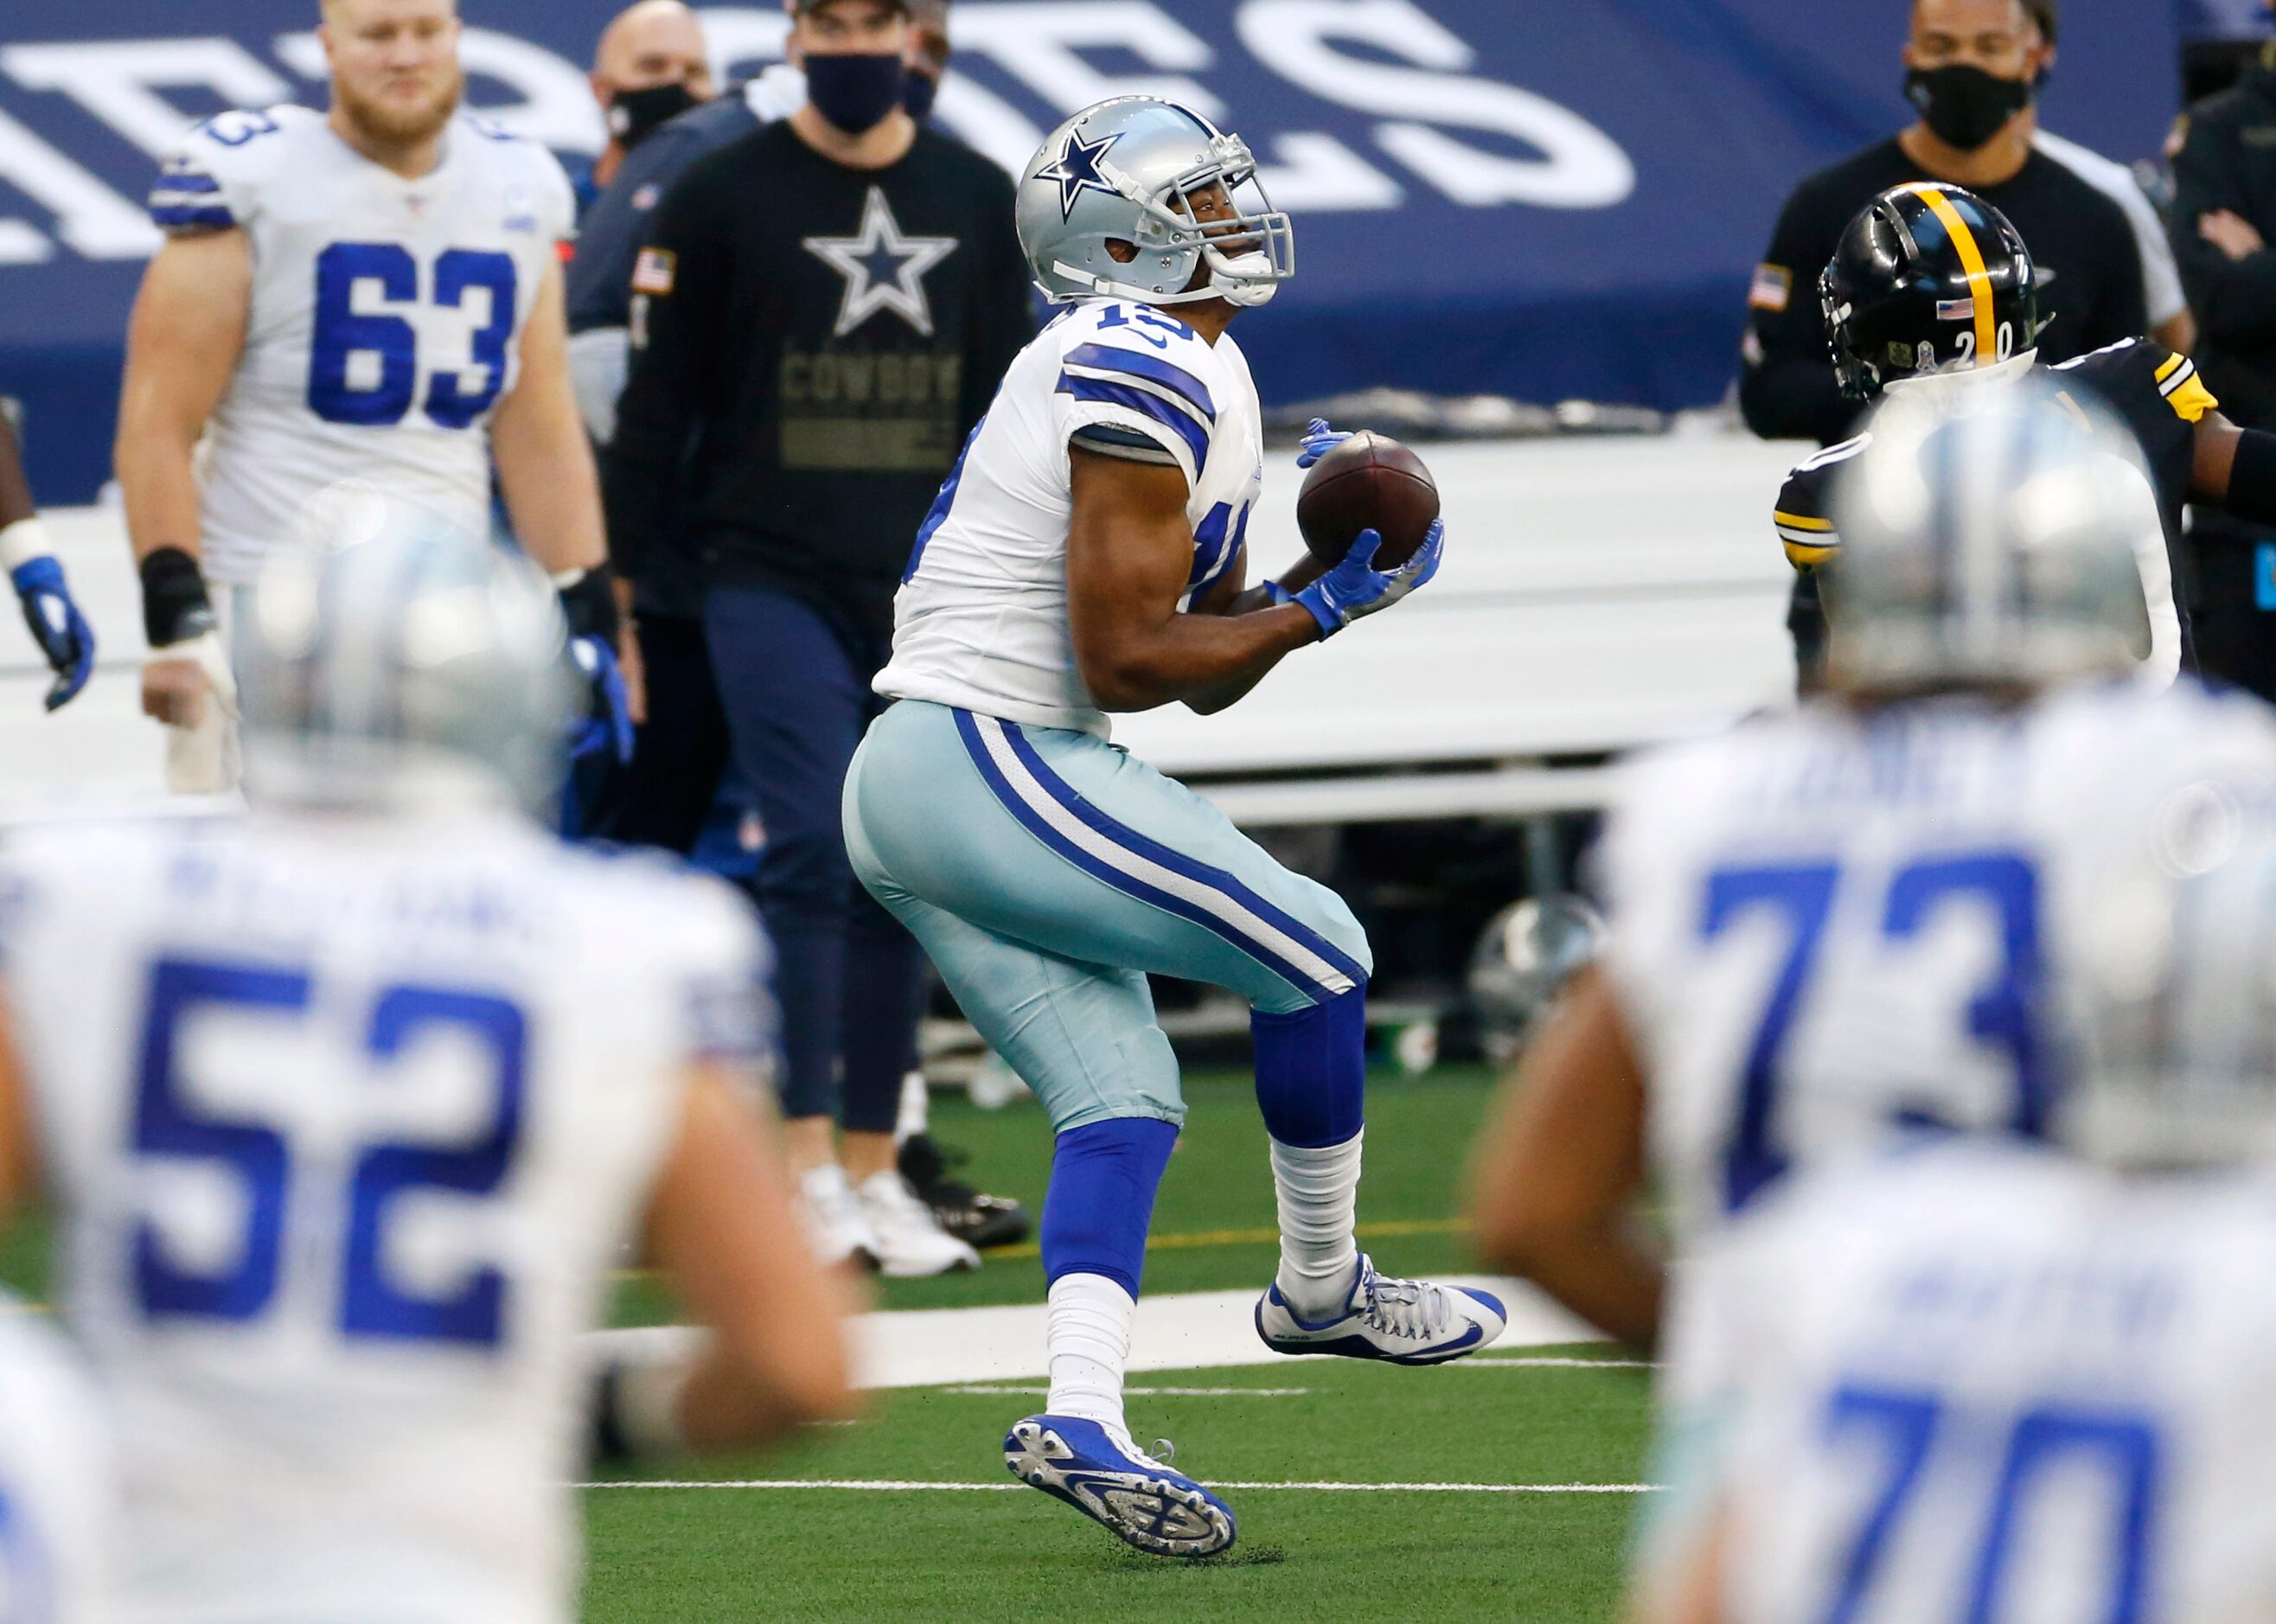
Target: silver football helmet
[(1125, 171), (2173, 996), (1523, 962), (389, 659), (1987, 536)]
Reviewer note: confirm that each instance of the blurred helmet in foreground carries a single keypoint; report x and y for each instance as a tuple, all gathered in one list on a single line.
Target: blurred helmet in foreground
[(2174, 1008), (1125, 171), (1522, 962), (1987, 536), (390, 659)]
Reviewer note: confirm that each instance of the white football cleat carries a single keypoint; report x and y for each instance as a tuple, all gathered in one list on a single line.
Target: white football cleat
[(908, 1243), (1405, 1322), (836, 1225)]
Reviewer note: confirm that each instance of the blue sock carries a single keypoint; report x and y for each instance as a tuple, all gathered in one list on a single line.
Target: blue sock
[(1311, 1071), (1101, 1199)]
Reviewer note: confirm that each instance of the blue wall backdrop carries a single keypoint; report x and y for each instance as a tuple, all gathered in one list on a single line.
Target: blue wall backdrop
[(1540, 198)]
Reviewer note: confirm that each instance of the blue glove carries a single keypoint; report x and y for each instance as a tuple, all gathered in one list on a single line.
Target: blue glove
[(1318, 440), (61, 631), (608, 722), (1355, 588)]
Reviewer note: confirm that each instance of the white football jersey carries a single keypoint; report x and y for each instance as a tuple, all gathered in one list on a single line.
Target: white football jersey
[(980, 622), (56, 1482), (1986, 1382), (385, 320), (1826, 925), (348, 1122)]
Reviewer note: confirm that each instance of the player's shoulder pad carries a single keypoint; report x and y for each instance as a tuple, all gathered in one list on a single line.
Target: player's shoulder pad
[(1132, 367), (213, 180), (2133, 368), (537, 188), (94, 847), (1804, 514)]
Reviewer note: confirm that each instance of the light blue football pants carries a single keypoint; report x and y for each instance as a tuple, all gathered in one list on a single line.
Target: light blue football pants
[(1047, 872)]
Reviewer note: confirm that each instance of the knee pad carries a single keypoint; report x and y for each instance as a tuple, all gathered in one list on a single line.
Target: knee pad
[(1311, 1070)]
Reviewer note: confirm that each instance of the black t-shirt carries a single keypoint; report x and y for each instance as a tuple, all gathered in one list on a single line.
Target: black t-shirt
[(2156, 393), (615, 227), (830, 336), (2090, 266), (2228, 160)]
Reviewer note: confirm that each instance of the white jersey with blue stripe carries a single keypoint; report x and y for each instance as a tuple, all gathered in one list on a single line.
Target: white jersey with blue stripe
[(980, 622), (1982, 1382), (57, 1491), (348, 1121), (385, 319), (1829, 926)]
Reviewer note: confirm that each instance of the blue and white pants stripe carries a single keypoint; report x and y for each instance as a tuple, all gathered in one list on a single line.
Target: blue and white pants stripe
[(1048, 873)]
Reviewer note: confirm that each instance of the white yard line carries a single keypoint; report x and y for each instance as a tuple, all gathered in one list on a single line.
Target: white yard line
[(1484, 1359), (910, 1485), (1150, 1392), (1191, 1331)]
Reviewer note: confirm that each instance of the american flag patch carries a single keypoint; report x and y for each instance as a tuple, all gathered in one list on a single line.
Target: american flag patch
[(1955, 309), (653, 271), (1773, 286)]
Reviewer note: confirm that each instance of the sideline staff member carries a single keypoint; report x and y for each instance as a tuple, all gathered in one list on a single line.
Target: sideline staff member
[(827, 306), (2224, 218), (1970, 65)]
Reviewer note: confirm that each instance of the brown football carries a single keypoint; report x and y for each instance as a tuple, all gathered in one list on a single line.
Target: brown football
[(1368, 482)]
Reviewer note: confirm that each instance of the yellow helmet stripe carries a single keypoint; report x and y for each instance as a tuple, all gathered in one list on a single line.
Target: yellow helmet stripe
[(1979, 275)]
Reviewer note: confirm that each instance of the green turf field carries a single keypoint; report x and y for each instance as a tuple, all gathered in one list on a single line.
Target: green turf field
[(698, 1555), (737, 1554)]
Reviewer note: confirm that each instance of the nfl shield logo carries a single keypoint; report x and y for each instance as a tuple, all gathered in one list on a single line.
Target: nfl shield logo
[(521, 209)]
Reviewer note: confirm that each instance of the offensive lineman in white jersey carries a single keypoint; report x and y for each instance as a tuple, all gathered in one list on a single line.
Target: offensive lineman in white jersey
[(348, 1110), (1086, 555), (373, 293), (1991, 1381), (1834, 924), (57, 1542)]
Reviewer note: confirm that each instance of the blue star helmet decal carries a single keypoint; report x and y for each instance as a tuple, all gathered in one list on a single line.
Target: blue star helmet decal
[(1077, 170)]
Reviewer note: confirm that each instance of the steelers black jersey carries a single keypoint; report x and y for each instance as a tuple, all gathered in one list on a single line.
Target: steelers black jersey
[(2159, 396), (2155, 392)]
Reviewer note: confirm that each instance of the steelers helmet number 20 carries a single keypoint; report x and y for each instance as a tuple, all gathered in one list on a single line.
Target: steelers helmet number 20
[(1928, 279)]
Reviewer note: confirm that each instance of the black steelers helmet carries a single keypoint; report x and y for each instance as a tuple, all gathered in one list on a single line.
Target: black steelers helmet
[(1929, 278)]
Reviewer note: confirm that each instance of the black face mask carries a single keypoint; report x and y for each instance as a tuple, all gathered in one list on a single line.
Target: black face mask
[(1964, 106), (919, 95), (854, 91), (635, 115)]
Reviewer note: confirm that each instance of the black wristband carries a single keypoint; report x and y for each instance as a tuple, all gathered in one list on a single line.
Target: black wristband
[(590, 604), (2252, 481), (175, 607)]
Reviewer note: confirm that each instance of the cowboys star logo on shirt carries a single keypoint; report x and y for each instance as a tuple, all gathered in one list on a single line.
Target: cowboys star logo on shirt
[(1077, 170), (883, 269)]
